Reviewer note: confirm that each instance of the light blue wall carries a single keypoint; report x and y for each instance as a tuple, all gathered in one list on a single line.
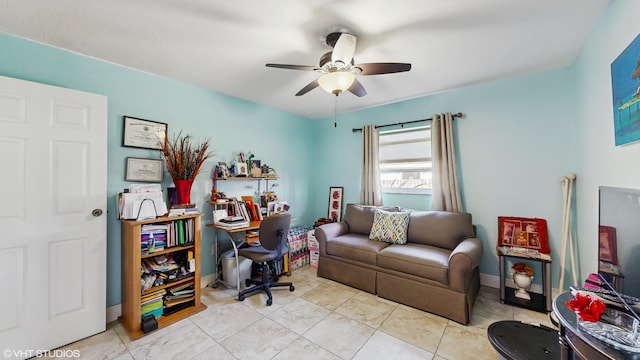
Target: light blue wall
[(518, 137), (599, 161), (514, 143), (280, 139)]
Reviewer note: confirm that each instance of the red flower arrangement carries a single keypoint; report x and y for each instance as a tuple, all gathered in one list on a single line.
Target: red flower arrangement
[(522, 268), (588, 308)]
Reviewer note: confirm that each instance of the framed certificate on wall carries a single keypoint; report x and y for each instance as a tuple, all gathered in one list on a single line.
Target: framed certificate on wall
[(141, 133)]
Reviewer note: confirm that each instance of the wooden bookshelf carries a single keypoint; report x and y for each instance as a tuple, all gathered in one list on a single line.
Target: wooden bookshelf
[(131, 281)]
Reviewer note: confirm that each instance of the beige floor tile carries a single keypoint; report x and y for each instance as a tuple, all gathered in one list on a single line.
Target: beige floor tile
[(340, 335), (105, 345), (223, 321), (383, 347), (179, 342), (532, 317), (329, 296), (216, 296), (216, 352), (305, 349), (262, 340), (304, 284), (415, 327), (299, 315), (367, 309), (258, 301), (458, 343)]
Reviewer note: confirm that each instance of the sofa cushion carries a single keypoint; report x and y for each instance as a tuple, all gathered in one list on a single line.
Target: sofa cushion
[(355, 247), (389, 226), (425, 261), (439, 228), (360, 217)]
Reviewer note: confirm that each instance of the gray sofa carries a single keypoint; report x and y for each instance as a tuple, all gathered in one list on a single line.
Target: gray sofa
[(435, 271)]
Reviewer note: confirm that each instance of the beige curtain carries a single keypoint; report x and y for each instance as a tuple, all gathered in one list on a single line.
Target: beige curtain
[(446, 193), (371, 190)]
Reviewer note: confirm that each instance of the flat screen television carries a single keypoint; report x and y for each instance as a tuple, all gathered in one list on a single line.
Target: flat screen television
[(619, 239)]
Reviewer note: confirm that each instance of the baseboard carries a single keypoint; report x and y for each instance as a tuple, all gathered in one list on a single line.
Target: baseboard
[(113, 312)]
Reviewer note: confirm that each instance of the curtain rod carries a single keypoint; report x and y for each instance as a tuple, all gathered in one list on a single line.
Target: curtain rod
[(457, 115)]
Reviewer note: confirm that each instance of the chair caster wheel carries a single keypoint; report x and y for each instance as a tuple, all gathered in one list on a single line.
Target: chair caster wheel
[(269, 302), (241, 297), (247, 282), (291, 288)]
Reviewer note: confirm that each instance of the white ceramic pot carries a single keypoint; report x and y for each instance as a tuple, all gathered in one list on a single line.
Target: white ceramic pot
[(523, 281)]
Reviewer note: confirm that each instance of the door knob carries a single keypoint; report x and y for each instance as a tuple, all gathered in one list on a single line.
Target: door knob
[(96, 212)]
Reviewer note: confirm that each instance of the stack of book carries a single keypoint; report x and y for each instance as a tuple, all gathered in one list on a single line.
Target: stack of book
[(232, 222), (152, 303), (185, 209), (178, 297), (153, 238)]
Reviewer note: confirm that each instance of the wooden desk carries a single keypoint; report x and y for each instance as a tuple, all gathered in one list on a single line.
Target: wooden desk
[(253, 225)]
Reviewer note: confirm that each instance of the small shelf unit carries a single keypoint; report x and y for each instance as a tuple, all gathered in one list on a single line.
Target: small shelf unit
[(132, 257)]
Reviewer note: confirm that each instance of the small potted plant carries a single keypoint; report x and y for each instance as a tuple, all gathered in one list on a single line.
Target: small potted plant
[(184, 158), (523, 278)]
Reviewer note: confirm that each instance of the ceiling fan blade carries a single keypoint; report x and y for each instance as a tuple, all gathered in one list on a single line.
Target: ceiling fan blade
[(312, 85), (382, 68), (344, 49), (357, 89), (294, 67)]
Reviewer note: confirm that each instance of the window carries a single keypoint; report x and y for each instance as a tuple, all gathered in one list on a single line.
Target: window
[(405, 160)]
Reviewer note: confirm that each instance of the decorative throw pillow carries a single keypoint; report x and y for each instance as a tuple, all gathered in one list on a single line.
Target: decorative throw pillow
[(390, 227)]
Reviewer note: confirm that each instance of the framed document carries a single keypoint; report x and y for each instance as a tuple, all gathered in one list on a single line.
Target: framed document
[(141, 133), (147, 170)]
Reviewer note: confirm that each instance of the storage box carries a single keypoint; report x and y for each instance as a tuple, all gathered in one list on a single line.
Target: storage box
[(229, 278), (313, 259), (312, 241)]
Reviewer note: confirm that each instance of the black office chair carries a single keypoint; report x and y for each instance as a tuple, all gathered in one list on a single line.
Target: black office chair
[(273, 234)]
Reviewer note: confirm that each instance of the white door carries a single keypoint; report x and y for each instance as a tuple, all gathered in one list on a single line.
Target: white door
[(53, 154)]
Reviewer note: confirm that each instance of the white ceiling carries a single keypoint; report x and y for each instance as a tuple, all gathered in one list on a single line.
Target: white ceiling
[(224, 45)]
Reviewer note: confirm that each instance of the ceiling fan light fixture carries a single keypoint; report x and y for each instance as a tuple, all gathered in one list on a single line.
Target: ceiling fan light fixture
[(336, 82)]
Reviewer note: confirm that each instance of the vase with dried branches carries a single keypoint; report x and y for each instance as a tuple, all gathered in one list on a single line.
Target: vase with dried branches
[(184, 158)]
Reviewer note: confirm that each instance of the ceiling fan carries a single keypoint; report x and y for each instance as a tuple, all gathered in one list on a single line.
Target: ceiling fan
[(339, 70)]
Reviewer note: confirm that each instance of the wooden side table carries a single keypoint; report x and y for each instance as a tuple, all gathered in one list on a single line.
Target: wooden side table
[(538, 302)]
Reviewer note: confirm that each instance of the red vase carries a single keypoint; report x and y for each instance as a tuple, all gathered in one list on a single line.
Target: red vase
[(183, 191)]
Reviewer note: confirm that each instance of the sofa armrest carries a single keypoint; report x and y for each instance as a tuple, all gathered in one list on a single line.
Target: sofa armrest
[(462, 261), (329, 231)]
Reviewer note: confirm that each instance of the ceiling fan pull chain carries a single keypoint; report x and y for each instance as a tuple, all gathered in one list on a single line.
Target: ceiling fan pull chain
[(335, 113)]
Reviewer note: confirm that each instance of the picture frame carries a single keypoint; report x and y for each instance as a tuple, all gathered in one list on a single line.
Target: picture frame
[(255, 170), (608, 245), (526, 233), (142, 133), (144, 170), (223, 170), (625, 89), (335, 203)]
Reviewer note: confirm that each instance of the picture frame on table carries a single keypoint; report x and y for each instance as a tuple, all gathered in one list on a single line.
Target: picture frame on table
[(142, 133), (608, 247), (144, 170), (524, 233), (335, 203)]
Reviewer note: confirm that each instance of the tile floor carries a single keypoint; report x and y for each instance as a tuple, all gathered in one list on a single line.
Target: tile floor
[(321, 319)]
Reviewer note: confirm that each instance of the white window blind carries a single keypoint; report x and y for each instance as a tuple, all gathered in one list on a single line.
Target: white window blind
[(405, 160)]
